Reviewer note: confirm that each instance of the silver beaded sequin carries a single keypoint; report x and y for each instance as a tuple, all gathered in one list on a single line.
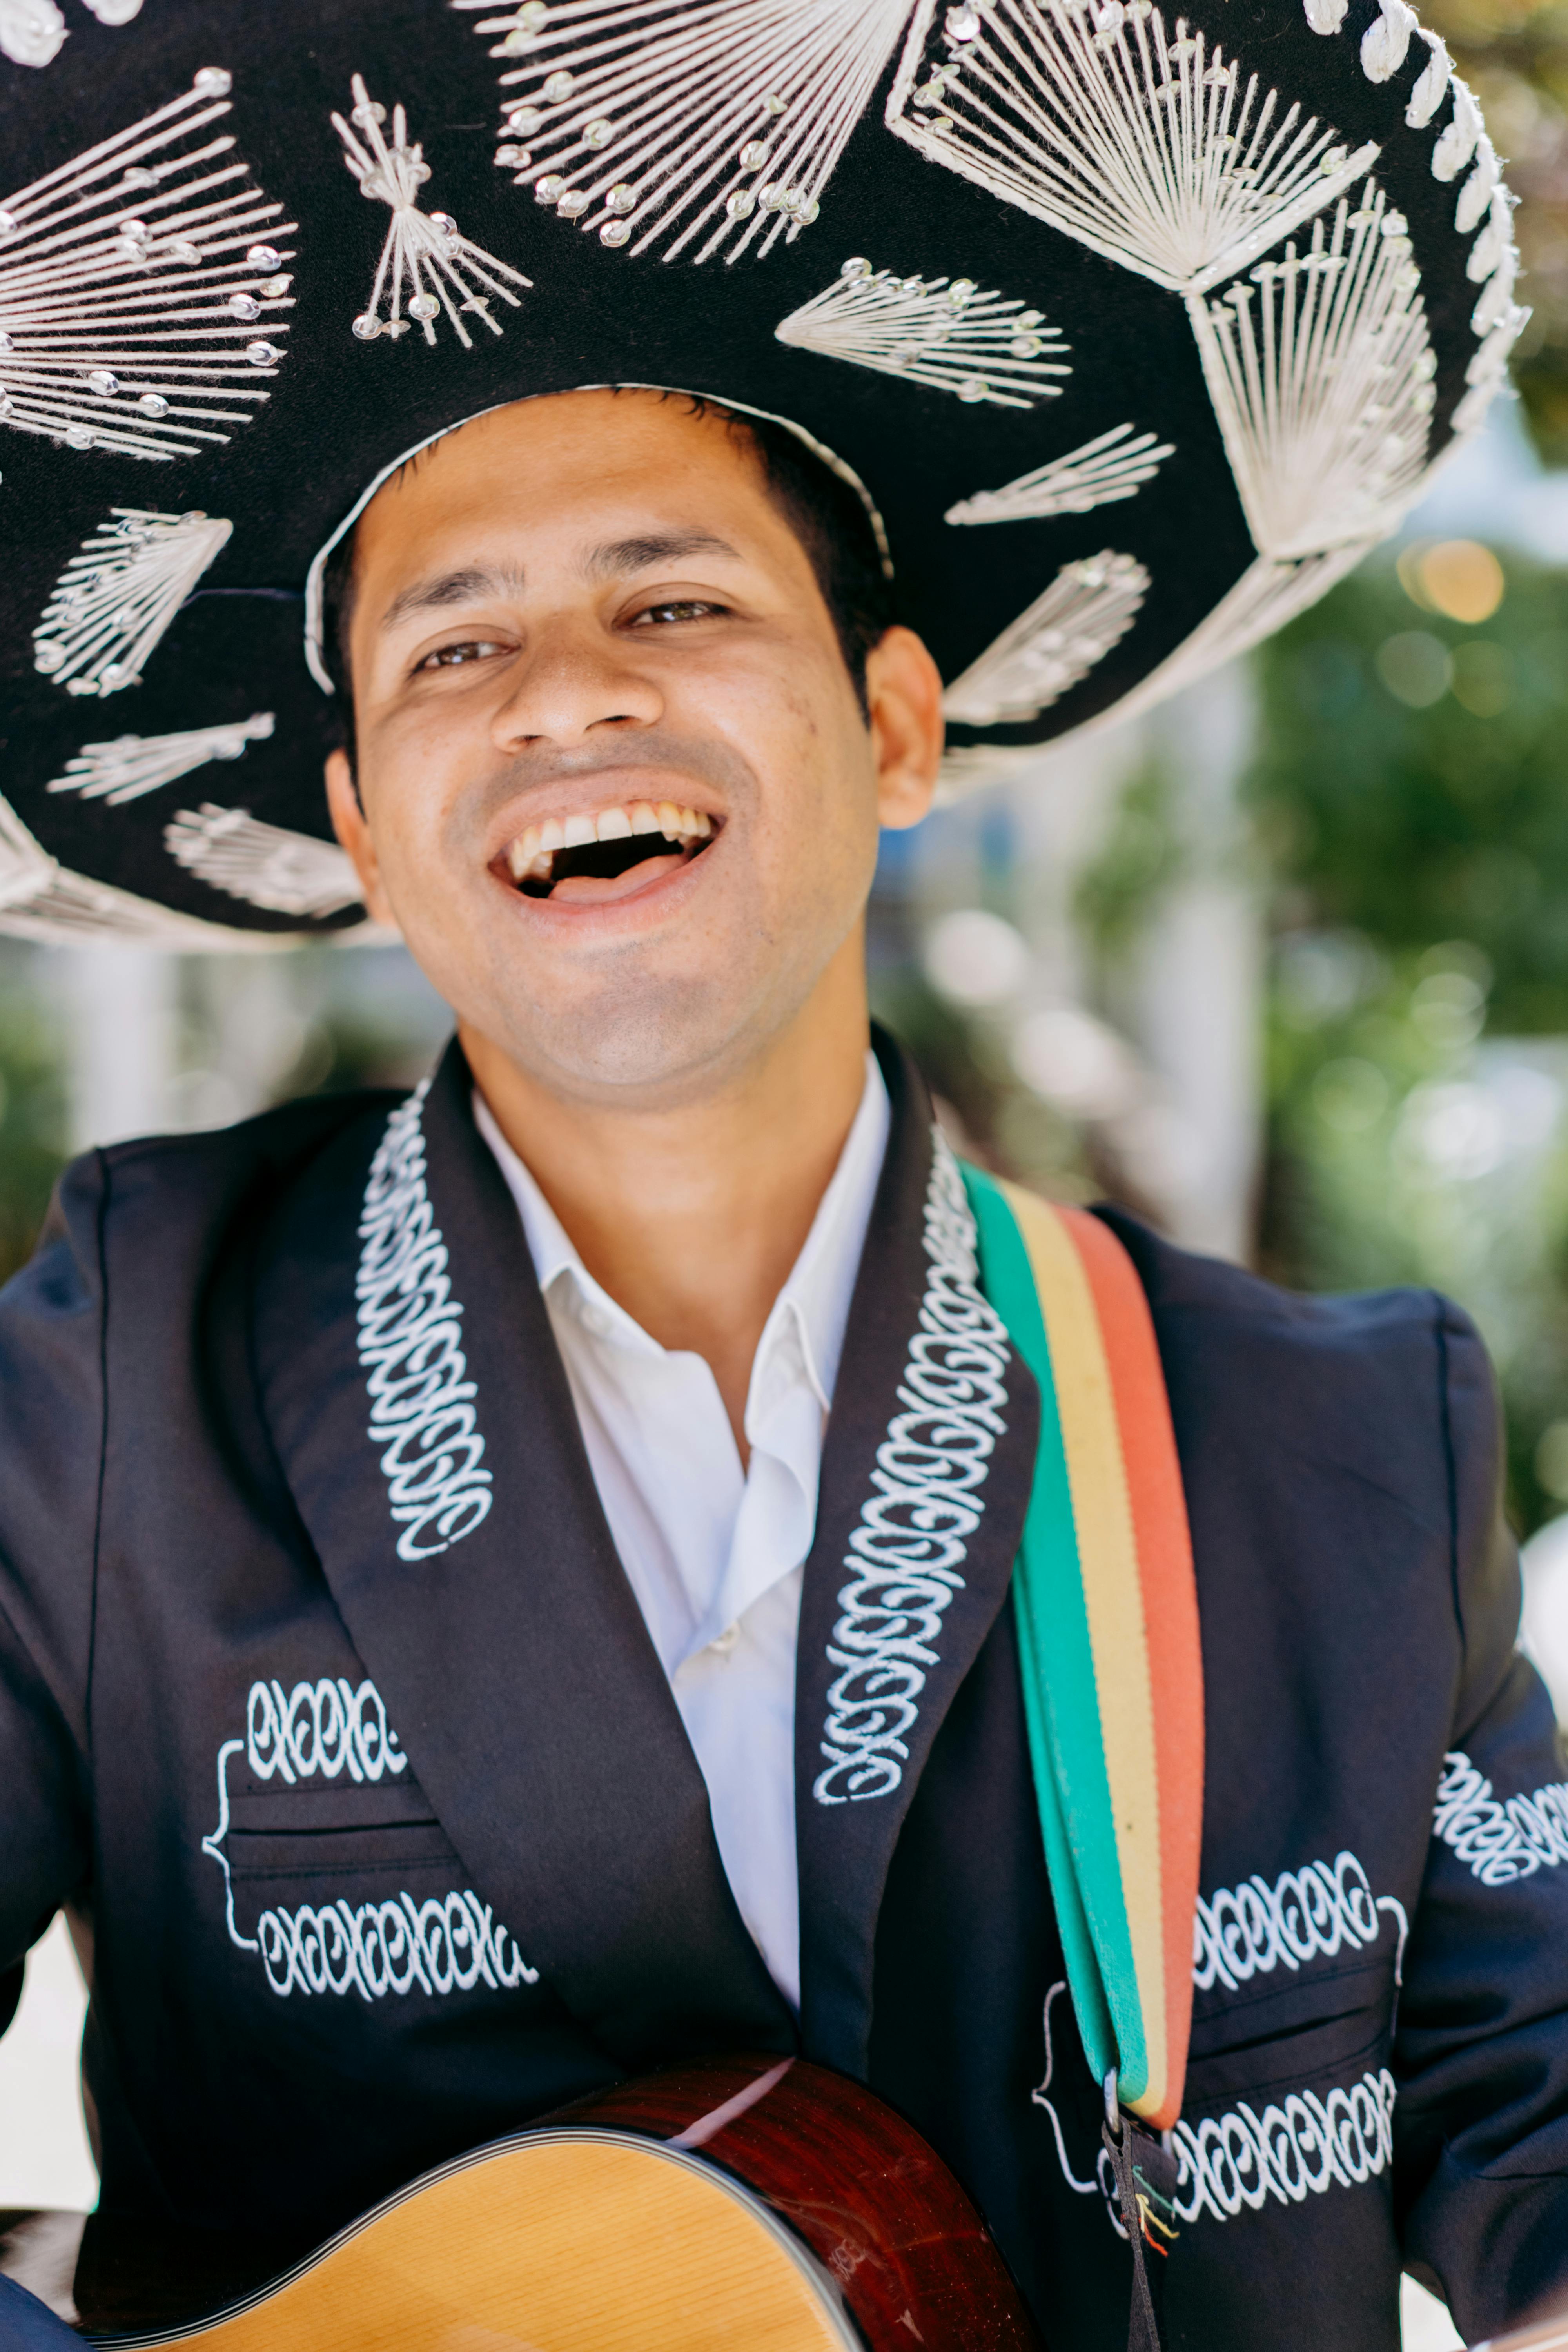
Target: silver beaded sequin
[(424, 254), (109, 341)]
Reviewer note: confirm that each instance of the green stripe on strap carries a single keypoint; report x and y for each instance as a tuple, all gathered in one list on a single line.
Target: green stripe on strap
[(1061, 1704)]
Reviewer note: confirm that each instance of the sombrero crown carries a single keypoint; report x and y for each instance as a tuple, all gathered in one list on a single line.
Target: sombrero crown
[(1138, 328)]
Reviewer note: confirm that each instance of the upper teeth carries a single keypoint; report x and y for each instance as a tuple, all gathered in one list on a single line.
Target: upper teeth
[(533, 853)]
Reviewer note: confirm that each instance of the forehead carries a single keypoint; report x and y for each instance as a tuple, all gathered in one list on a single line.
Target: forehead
[(572, 463)]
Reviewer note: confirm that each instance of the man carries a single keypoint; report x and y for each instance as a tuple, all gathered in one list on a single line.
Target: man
[(593, 1713)]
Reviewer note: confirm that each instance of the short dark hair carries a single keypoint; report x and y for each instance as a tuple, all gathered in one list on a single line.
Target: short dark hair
[(826, 514)]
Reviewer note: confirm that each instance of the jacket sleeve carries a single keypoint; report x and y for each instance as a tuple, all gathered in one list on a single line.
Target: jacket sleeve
[(51, 1448), (1481, 2054)]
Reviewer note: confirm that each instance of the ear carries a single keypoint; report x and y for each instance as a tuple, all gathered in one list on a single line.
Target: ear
[(903, 688), (349, 824)]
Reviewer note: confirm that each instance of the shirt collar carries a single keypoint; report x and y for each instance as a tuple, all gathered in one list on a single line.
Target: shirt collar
[(812, 1310), (816, 1298), (556, 1259)]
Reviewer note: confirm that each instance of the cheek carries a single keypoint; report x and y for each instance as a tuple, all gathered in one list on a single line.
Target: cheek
[(812, 752), (412, 771)]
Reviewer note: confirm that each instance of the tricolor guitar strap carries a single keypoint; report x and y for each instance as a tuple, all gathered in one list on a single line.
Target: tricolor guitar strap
[(1108, 1632)]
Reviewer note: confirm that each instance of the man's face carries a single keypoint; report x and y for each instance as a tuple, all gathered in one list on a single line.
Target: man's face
[(618, 792)]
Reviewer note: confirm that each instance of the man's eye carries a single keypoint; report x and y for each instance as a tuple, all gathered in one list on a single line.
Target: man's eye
[(450, 657), (685, 608)]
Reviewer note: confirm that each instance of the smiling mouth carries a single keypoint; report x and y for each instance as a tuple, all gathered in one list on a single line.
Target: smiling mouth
[(587, 857)]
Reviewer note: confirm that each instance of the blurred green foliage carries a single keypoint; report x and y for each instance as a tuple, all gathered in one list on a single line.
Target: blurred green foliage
[(1141, 856), (1514, 54), (1413, 825), (1411, 789), (32, 1106)]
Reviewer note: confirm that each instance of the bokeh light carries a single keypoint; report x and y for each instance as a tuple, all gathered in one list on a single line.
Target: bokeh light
[(1457, 577)]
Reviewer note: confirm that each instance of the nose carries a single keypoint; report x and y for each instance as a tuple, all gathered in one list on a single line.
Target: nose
[(573, 681)]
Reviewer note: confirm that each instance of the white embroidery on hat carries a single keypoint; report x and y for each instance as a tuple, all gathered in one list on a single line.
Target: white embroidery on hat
[(1488, 367), (719, 120), (1499, 1838), (1148, 150), (1088, 607), (1431, 82), (32, 31), (905, 1555), (1321, 370), (1312, 1913), (1267, 596), (267, 865), (1498, 319), (326, 1726), (1485, 205), (941, 331), (42, 899), (425, 253), (1455, 142), (113, 601), (1387, 39), (130, 765), (1299, 2148), (132, 282), (440, 1944), (1148, 147), (1478, 189), (423, 1409), (1102, 472), (968, 766)]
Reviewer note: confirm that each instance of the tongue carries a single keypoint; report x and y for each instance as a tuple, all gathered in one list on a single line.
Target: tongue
[(590, 889)]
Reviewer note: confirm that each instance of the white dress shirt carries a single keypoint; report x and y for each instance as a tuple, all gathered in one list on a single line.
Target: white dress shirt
[(714, 1554)]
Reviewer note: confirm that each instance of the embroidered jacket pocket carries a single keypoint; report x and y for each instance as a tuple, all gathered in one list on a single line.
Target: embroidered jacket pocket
[(343, 1889), (1315, 2033), (1233, 2033), (339, 1833), (1290, 2115)]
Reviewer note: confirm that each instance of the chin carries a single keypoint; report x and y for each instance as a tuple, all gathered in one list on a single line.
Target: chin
[(652, 1044)]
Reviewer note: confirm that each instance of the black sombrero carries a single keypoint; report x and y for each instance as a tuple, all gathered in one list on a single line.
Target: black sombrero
[(1137, 328)]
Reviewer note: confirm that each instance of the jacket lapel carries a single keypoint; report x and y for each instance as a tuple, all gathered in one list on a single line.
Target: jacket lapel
[(925, 1482), (429, 1439)]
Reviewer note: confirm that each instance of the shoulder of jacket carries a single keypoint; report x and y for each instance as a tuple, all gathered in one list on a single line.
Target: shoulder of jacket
[(1209, 1305), (285, 1136), (1177, 1280), (165, 1185)]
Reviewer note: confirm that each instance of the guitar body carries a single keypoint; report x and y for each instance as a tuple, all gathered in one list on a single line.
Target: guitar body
[(758, 2203)]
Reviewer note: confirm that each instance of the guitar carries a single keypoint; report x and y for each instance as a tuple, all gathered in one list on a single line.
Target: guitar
[(760, 2203)]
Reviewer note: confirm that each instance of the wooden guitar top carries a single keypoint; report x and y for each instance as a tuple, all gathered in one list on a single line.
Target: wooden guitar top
[(760, 2203)]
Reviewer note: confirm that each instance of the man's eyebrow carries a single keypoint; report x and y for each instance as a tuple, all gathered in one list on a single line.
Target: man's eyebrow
[(618, 556), (609, 560), (465, 587)]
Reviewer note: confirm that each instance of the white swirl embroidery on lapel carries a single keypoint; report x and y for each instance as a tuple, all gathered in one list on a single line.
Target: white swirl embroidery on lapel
[(905, 1555), (1308, 1913), (320, 1727), (1293, 2150), (1499, 1838), (410, 1343)]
